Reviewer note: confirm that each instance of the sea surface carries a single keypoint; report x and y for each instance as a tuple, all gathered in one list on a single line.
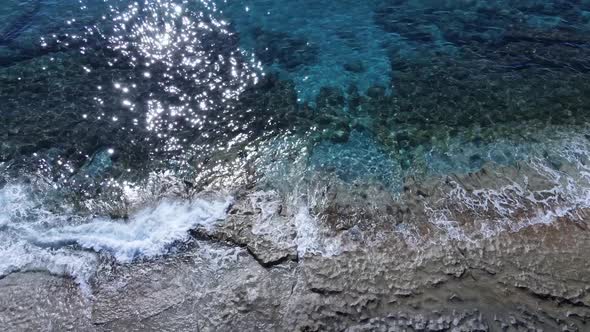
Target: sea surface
[(125, 126)]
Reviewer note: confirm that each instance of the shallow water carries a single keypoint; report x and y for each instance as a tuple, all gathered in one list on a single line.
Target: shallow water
[(128, 126)]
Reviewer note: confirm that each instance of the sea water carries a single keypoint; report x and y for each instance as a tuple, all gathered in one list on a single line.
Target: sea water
[(124, 125)]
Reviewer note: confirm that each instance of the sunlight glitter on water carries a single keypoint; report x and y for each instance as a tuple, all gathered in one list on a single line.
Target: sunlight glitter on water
[(233, 95)]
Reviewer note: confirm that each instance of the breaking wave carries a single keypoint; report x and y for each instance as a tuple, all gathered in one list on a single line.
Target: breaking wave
[(541, 190), (34, 238)]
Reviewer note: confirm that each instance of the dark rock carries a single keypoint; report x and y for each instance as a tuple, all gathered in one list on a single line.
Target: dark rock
[(376, 92), (356, 66), (284, 49)]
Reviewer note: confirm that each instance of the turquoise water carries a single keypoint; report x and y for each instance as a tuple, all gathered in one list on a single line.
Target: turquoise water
[(105, 105)]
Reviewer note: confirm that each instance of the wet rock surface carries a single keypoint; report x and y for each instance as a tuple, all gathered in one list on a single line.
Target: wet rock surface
[(252, 272), (453, 200)]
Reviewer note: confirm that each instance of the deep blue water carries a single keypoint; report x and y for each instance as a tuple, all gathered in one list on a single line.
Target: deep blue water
[(99, 98)]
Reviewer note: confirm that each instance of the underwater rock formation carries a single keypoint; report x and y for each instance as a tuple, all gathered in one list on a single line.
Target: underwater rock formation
[(13, 30), (201, 192), (288, 51)]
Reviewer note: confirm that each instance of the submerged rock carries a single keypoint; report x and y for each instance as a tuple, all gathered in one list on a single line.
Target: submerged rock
[(354, 66), (456, 201), (99, 163), (288, 51)]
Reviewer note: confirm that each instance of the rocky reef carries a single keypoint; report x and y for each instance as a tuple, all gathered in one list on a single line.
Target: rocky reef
[(454, 198), (271, 266)]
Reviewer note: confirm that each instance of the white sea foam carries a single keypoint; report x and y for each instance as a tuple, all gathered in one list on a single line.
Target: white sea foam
[(32, 238), (541, 194), (21, 256), (308, 237), (147, 233), (312, 239)]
